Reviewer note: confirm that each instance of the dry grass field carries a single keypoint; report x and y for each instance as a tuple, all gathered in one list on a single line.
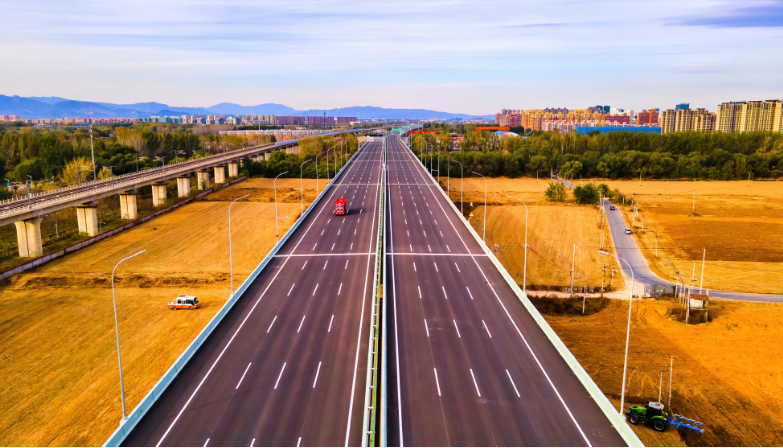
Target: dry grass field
[(554, 229), (727, 373), (740, 224), (58, 360)]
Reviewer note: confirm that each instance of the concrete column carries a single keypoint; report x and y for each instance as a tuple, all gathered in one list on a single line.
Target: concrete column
[(233, 169), (202, 177), (183, 186), (158, 194), (220, 174), (28, 234), (128, 205), (87, 216), (267, 155)]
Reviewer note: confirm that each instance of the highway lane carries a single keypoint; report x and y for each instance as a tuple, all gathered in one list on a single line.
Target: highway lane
[(468, 365), (287, 365)]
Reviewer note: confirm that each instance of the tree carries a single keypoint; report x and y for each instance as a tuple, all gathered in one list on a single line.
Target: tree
[(555, 192), (571, 169), (588, 194), (104, 173), (75, 171)]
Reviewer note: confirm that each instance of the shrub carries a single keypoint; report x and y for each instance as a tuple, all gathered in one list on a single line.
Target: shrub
[(556, 192)]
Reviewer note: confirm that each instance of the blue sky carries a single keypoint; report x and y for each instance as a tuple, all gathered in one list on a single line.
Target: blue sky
[(456, 56)]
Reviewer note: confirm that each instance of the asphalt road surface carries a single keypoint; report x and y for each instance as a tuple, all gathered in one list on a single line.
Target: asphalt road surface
[(627, 249), (468, 365), (287, 365)]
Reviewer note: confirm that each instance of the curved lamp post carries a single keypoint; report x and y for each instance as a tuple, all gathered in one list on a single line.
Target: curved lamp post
[(628, 332), (484, 237), (274, 185), (230, 254), (117, 332), (301, 184)]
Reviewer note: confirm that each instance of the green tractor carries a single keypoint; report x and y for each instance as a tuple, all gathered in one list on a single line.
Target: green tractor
[(652, 415)]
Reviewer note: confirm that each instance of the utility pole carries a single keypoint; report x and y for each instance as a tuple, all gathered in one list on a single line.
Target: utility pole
[(573, 266), (92, 151), (671, 374), (703, 258), (656, 244)]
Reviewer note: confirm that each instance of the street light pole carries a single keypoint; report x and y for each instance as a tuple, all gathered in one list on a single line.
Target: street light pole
[(274, 184), (628, 332), (524, 268), (92, 151), (301, 184), (484, 237), (230, 253), (573, 267), (461, 185), (117, 333)]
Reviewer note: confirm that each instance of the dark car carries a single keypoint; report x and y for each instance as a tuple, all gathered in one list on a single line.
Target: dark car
[(611, 207)]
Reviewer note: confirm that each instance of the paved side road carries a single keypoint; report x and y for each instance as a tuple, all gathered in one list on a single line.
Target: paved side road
[(468, 365), (287, 365), (627, 249)]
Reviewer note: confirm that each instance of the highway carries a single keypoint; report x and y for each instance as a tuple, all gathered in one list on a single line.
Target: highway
[(287, 365), (468, 365)]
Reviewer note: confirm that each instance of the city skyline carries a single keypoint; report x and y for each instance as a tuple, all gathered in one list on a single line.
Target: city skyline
[(444, 56)]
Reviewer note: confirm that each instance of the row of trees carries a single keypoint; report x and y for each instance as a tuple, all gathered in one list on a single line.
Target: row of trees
[(45, 155), (614, 155), (340, 149)]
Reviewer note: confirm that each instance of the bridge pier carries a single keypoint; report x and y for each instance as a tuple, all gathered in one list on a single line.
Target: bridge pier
[(202, 177), (233, 169), (267, 155), (28, 235), (128, 205), (87, 216), (158, 194), (220, 174), (183, 186)]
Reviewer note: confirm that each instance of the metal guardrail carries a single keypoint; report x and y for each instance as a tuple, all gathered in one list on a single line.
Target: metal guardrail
[(384, 376), (611, 413), (160, 387), (371, 392)]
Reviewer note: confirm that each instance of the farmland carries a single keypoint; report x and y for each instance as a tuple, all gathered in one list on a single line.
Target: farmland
[(738, 222), (554, 229), (58, 356)]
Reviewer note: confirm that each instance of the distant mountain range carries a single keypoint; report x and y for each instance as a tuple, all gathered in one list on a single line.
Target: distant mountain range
[(55, 107)]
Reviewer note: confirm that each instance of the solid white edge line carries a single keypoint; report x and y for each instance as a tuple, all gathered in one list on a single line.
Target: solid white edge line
[(243, 375), (201, 383), (361, 321), (530, 349), (396, 332)]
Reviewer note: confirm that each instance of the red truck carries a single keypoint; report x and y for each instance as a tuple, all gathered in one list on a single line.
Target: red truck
[(340, 207)]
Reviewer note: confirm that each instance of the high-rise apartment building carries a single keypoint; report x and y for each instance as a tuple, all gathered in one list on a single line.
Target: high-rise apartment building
[(747, 116), (678, 120), (647, 118), (290, 120)]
